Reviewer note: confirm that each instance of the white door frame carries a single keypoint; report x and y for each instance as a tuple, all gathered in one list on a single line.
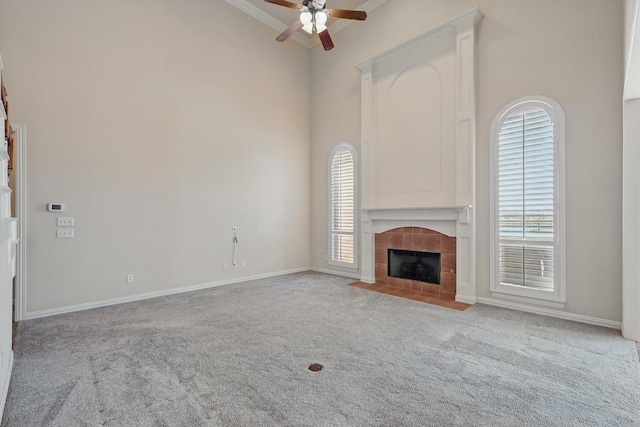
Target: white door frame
[(631, 176), (20, 176)]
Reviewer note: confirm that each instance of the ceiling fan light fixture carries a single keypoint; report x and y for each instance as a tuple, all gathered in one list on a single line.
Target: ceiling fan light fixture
[(306, 18), (314, 17), (321, 18)]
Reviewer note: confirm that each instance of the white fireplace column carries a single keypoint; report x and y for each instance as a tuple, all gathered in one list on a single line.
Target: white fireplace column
[(440, 66)]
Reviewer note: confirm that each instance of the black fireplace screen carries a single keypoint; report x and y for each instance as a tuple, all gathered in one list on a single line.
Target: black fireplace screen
[(422, 266)]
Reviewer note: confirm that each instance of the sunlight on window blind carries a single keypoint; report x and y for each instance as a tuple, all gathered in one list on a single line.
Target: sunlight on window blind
[(342, 207), (526, 187)]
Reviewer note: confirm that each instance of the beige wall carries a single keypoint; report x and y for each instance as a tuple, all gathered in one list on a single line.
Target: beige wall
[(161, 124), (568, 50)]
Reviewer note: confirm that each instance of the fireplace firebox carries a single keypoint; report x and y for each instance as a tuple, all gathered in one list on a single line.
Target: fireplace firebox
[(414, 265)]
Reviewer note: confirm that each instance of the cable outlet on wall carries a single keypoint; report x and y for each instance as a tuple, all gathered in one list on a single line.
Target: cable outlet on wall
[(235, 228), (129, 278), (235, 264)]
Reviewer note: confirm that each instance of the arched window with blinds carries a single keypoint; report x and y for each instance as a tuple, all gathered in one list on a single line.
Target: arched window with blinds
[(342, 207), (527, 144)]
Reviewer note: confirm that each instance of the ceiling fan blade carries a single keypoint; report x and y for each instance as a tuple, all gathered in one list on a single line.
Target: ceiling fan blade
[(359, 15), (289, 31), (285, 3), (325, 38)]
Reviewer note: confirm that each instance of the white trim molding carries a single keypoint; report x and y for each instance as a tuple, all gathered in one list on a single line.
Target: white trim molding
[(631, 220), (335, 272), (5, 386), (21, 213), (631, 177), (551, 313), (148, 295)]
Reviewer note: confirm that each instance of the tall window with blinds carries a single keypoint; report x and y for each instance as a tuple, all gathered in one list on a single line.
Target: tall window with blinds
[(526, 191), (342, 215)]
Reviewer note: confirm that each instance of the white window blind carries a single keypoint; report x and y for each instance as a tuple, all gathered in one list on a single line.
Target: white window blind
[(342, 207), (526, 200)]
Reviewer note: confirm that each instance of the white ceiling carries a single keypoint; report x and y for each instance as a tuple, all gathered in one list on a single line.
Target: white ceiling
[(280, 18)]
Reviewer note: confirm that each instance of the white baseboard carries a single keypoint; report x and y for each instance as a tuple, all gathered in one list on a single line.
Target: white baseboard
[(551, 313), (5, 386), (489, 301), (138, 297), (466, 300), (336, 272)]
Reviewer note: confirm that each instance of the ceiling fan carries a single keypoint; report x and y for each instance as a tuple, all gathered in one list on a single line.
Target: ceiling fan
[(313, 17)]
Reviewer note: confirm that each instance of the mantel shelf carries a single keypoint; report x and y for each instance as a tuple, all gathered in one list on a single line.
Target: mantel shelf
[(454, 214), (426, 208)]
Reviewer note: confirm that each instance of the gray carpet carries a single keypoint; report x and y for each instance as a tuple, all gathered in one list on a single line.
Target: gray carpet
[(238, 356)]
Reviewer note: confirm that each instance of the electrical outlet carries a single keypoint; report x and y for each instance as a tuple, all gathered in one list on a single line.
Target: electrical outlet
[(129, 278), (64, 233), (65, 221), (244, 263), (225, 265)]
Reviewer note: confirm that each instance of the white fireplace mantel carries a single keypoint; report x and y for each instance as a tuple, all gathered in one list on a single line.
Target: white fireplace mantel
[(454, 221), (442, 219), (438, 65)]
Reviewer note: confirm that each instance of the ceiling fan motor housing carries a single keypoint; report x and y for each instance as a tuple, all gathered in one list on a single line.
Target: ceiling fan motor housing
[(314, 4)]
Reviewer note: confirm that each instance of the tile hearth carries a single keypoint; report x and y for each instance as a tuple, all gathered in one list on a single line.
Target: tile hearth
[(446, 301)]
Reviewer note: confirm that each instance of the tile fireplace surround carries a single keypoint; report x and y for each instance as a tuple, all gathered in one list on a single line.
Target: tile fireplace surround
[(417, 239), (448, 230)]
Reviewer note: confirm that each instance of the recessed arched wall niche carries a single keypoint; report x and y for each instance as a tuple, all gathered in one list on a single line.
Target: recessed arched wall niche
[(418, 143)]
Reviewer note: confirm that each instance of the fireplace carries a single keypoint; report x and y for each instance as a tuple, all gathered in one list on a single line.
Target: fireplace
[(416, 245), (431, 78), (414, 265)]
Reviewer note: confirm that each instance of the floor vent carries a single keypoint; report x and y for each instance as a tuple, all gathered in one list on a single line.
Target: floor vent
[(315, 367)]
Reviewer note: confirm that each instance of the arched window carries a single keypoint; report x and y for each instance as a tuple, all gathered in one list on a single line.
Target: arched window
[(342, 207), (527, 200)]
